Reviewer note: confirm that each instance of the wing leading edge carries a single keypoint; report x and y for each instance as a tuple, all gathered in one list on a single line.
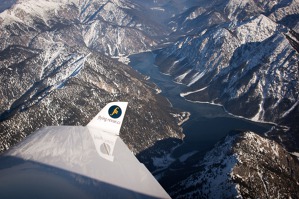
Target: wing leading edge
[(77, 162)]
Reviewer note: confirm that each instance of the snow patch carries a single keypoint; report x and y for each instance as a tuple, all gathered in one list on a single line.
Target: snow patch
[(182, 76), (292, 108), (196, 77), (158, 9), (191, 92), (256, 30), (295, 154)]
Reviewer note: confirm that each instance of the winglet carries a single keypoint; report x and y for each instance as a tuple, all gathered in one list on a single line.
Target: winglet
[(110, 118)]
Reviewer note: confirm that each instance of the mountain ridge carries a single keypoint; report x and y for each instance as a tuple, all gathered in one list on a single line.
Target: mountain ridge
[(51, 77), (243, 166), (56, 67)]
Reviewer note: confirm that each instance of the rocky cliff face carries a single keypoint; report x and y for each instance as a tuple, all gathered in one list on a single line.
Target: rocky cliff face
[(51, 74)]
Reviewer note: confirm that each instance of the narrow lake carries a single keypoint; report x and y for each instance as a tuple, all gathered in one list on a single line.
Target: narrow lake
[(207, 124)]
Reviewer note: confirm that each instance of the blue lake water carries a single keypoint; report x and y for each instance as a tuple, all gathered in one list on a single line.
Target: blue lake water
[(5, 4), (207, 124)]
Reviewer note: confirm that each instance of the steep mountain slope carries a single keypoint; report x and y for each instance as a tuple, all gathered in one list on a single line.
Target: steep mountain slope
[(245, 165), (206, 14), (243, 55), (50, 76), (54, 70), (244, 59), (112, 27)]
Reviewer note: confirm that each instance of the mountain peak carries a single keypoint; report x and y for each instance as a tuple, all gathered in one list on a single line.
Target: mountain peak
[(256, 30)]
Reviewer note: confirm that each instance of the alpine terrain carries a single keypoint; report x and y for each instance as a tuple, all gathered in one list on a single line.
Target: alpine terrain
[(243, 55), (54, 69), (61, 61)]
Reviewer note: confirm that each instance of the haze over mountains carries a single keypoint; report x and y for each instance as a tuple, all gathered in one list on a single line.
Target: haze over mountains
[(56, 69)]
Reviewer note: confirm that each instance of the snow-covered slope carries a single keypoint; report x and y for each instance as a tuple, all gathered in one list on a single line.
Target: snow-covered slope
[(249, 65), (209, 13), (51, 76), (68, 86), (115, 28), (245, 165), (54, 70), (243, 55)]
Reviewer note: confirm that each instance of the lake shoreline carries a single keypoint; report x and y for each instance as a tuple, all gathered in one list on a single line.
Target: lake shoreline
[(207, 123)]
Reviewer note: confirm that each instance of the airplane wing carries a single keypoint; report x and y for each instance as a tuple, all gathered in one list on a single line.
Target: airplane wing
[(77, 162)]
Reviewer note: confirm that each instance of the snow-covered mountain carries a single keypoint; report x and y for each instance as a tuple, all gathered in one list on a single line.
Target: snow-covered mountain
[(206, 14), (113, 27), (240, 55), (55, 68), (52, 75), (245, 165), (243, 55)]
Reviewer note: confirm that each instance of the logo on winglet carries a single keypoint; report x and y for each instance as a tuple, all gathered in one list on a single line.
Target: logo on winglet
[(114, 112)]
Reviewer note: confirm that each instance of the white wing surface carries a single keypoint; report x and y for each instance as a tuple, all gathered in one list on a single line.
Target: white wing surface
[(77, 162)]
